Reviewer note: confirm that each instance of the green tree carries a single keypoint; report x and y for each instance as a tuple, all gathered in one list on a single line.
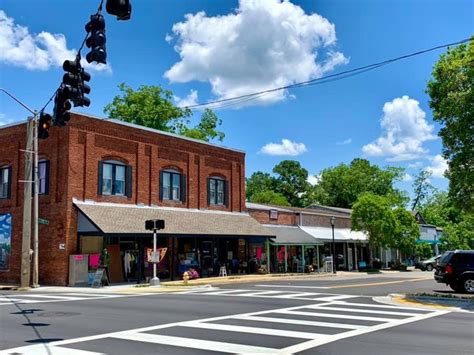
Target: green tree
[(269, 197), (422, 188), (438, 210), (152, 106), (373, 214), (451, 90), (259, 182), (459, 235), (423, 250), (292, 182), (407, 231), (342, 185)]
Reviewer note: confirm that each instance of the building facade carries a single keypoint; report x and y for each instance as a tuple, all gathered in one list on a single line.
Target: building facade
[(100, 180)]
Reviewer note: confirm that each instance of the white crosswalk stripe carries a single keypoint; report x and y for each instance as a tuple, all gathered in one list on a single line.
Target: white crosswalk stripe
[(300, 328), (28, 298)]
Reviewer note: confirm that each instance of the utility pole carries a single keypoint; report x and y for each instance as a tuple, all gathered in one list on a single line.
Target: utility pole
[(36, 208), (26, 235)]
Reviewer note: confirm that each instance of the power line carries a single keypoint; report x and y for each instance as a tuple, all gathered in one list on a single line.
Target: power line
[(227, 102)]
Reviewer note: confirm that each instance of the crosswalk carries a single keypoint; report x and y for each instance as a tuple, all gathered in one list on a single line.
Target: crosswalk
[(327, 318), (26, 298), (281, 294)]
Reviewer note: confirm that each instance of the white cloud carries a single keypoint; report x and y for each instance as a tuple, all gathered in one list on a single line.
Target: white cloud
[(41, 51), (344, 142), (286, 147), (404, 129), (259, 46), (314, 179), (407, 177), (415, 165), (191, 99), (438, 166), (4, 120)]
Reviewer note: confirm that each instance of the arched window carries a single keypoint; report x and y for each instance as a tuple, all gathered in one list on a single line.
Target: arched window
[(115, 178), (217, 191), (5, 182), (172, 185)]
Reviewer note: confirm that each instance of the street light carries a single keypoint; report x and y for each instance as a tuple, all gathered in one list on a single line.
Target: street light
[(333, 220)]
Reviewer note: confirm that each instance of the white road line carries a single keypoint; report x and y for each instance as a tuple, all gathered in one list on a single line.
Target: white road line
[(89, 295), (260, 293), (297, 295), (253, 330), (344, 303), (364, 311), (299, 322), (225, 292), (318, 342), (289, 286), (196, 343), (331, 315), (53, 298), (334, 298), (14, 300), (46, 349)]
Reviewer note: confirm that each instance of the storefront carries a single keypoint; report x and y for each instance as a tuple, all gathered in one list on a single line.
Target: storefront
[(293, 250), (200, 242)]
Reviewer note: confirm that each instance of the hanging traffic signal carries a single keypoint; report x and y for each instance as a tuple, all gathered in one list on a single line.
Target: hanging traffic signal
[(96, 40), (74, 82), (44, 124), (120, 8), (62, 105)]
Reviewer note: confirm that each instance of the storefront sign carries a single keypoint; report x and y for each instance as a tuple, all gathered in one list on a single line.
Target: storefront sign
[(159, 257), (5, 241), (62, 246), (78, 257), (273, 214)]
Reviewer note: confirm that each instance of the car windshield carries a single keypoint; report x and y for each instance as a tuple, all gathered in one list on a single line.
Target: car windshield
[(445, 257)]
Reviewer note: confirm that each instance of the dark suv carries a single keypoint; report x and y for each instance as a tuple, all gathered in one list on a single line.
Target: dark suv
[(456, 269)]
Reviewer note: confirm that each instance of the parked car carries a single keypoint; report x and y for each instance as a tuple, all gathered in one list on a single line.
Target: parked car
[(456, 269), (428, 264)]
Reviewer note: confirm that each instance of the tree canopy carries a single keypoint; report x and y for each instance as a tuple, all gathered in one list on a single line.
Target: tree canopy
[(451, 90), (292, 182), (152, 106), (269, 197), (340, 186)]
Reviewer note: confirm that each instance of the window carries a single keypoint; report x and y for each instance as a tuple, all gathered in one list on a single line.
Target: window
[(115, 179), (5, 182), (43, 177), (217, 191), (172, 185)]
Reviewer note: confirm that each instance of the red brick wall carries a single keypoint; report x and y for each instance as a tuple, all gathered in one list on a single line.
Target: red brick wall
[(284, 218), (74, 152), (325, 221)]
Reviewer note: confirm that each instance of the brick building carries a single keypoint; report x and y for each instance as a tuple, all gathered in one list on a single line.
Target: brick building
[(304, 236), (100, 180)]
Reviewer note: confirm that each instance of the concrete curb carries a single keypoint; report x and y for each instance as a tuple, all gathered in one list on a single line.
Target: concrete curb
[(432, 303)]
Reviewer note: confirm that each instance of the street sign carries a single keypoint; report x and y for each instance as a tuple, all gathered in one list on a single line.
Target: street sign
[(43, 221)]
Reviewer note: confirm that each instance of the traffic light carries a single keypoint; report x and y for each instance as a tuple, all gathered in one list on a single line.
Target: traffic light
[(74, 83), (96, 40), (120, 8), (62, 105), (44, 124)]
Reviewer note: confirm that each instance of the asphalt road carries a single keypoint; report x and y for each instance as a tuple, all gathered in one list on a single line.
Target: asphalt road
[(324, 316)]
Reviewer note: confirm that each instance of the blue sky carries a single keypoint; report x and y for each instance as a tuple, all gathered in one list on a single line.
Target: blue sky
[(235, 48)]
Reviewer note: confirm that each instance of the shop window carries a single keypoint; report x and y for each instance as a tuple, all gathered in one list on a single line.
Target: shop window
[(115, 179), (5, 182), (43, 177), (172, 185), (217, 191)]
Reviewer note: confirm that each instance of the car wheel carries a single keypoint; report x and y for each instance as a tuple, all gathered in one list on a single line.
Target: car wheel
[(468, 285), (429, 267), (455, 287)]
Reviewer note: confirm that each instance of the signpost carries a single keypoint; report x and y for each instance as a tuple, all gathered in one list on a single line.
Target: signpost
[(154, 225), (43, 221)]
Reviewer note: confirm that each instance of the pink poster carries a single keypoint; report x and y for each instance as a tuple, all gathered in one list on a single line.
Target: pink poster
[(94, 260), (259, 253)]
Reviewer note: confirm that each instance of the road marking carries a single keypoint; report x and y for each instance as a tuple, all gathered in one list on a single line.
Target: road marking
[(253, 330), (318, 342), (299, 322), (365, 311), (334, 298), (140, 335), (288, 286), (197, 343), (52, 297), (379, 283), (45, 349), (344, 303)]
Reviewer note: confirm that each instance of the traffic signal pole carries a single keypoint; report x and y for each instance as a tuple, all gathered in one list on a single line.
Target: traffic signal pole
[(36, 207)]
